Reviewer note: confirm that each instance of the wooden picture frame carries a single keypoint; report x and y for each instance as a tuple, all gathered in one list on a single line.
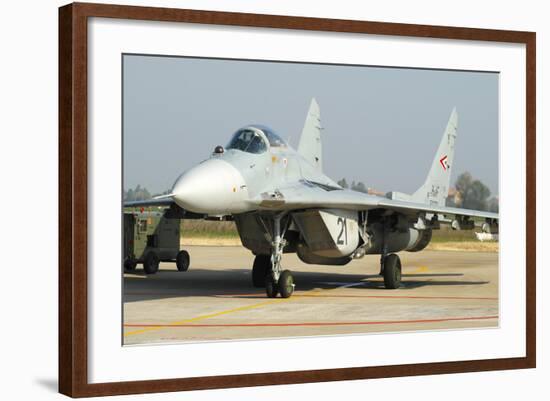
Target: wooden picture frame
[(73, 204)]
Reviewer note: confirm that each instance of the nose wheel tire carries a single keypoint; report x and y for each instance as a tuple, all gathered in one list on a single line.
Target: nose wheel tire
[(271, 288), (151, 263), (182, 261), (286, 284), (260, 268), (392, 271)]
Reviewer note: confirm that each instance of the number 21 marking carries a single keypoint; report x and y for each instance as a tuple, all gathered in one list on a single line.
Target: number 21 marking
[(343, 231)]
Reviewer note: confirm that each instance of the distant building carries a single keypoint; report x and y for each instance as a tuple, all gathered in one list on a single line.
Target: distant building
[(372, 191)]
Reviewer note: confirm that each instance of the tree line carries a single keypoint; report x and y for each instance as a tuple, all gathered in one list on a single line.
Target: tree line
[(472, 194), (355, 186), (140, 193)]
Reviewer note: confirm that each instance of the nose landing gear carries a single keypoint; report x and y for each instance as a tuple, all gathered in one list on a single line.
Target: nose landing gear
[(267, 270)]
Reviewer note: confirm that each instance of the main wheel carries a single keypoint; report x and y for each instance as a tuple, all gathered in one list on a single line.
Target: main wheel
[(270, 287), (286, 284), (151, 263), (260, 268), (182, 261), (129, 265), (392, 271)]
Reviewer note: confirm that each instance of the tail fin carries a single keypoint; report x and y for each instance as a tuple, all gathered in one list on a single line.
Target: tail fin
[(310, 146), (436, 187)]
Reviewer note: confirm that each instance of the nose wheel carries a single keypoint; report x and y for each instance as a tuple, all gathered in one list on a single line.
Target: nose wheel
[(268, 268), (277, 281), (262, 276), (271, 287), (284, 286)]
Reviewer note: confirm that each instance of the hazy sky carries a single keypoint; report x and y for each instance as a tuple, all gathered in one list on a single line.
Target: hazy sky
[(381, 125)]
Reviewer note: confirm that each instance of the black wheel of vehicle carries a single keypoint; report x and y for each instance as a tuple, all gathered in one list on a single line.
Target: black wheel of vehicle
[(286, 284), (151, 263), (270, 287), (392, 271), (130, 265), (182, 261), (260, 269)]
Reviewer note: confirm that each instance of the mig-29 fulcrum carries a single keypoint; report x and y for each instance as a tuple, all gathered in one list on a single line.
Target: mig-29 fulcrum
[(282, 202)]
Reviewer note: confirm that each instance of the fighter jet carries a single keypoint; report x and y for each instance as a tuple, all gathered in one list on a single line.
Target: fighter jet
[(282, 202)]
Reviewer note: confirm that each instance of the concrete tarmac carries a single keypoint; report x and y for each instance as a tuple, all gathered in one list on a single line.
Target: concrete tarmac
[(215, 300)]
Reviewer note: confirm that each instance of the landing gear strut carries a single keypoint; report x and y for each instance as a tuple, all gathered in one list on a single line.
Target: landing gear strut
[(269, 268)]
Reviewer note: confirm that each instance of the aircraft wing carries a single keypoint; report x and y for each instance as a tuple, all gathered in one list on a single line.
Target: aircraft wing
[(308, 195), (405, 207), (172, 210), (167, 202)]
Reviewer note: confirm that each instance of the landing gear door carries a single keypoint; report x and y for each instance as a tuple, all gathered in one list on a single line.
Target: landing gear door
[(330, 233), (343, 228)]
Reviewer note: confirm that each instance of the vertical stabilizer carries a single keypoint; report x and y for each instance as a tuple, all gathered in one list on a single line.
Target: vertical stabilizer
[(436, 187), (310, 146)]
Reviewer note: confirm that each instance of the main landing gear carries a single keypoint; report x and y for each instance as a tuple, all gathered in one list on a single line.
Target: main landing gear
[(267, 270), (390, 264), (391, 270)]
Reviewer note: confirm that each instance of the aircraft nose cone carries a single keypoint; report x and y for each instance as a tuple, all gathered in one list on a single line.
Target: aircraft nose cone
[(213, 187)]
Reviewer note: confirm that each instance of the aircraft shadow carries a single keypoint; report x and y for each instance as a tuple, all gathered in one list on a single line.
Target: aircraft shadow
[(236, 283)]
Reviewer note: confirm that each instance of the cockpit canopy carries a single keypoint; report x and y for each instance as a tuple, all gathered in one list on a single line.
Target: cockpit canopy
[(255, 139)]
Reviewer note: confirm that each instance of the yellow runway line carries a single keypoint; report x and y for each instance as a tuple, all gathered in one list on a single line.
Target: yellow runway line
[(312, 293), (211, 315)]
